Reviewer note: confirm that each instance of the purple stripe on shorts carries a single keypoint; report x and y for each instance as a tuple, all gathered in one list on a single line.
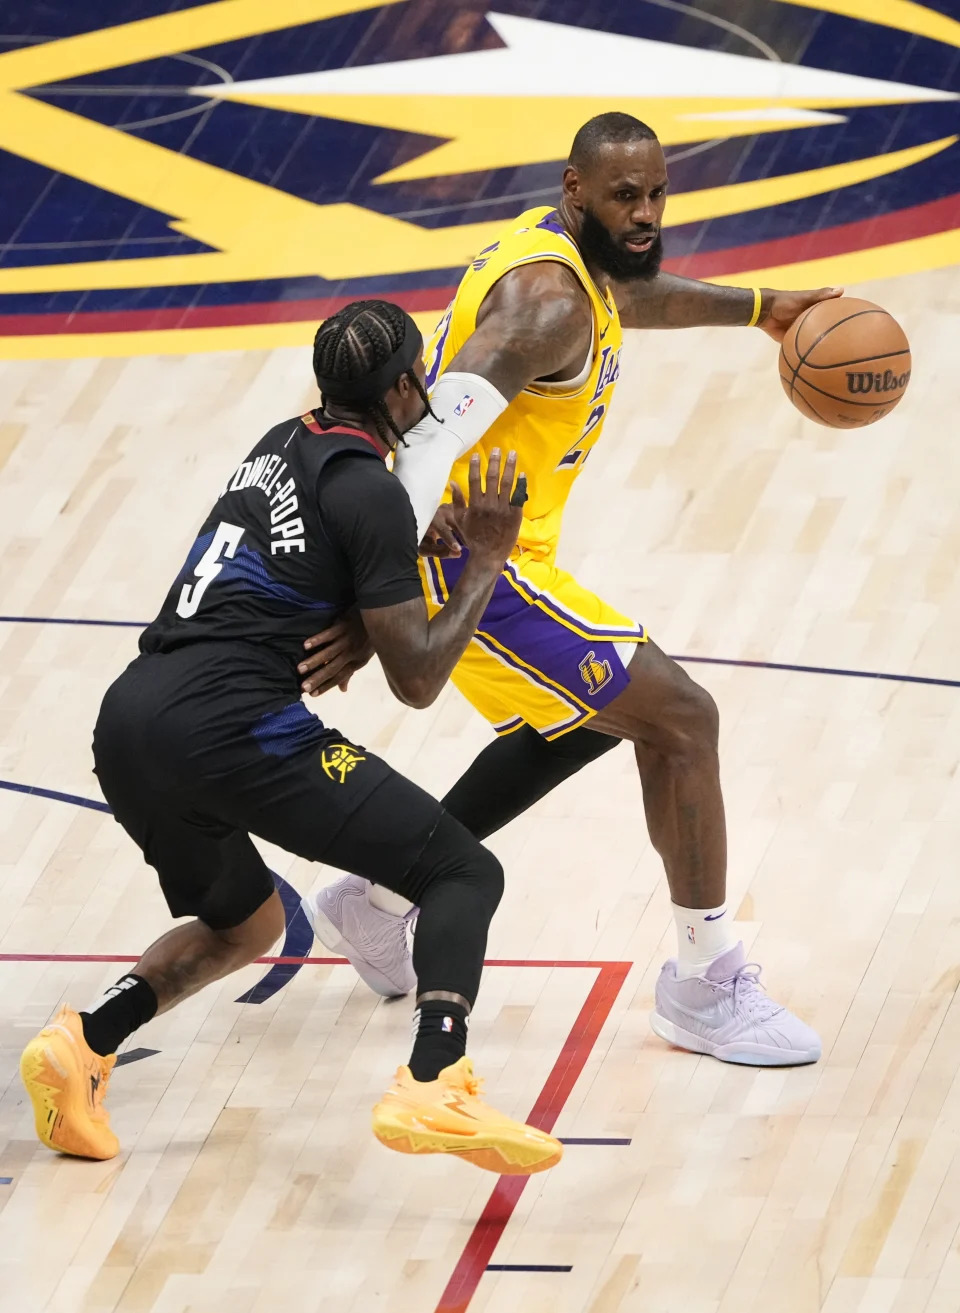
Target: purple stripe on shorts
[(576, 712), (626, 634), (589, 670)]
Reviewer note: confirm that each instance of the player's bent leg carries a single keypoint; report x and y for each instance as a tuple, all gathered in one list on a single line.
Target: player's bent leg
[(434, 1103), (368, 925), (708, 999), (66, 1068), (191, 956)]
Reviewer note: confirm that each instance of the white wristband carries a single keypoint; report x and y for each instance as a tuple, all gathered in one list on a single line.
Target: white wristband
[(465, 406)]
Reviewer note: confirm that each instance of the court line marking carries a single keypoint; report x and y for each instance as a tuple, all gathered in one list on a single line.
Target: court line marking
[(492, 1222), (298, 933), (693, 660), (530, 1267), (595, 1139), (487, 1231)]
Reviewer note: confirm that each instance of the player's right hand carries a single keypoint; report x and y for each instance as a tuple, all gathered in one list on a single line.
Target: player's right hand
[(490, 521), (441, 538)]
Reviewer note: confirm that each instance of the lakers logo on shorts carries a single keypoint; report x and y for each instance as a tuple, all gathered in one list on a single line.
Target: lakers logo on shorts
[(339, 760), (596, 674)]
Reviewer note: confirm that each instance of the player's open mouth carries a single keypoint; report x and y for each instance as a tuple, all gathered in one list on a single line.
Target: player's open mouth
[(640, 243)]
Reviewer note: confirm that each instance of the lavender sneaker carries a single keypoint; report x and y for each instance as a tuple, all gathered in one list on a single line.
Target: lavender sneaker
[(373, 942), (729, 1015)]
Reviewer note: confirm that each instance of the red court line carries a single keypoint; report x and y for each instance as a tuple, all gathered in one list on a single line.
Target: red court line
[(922, 220), (898, 226), (213, 316), (492, 1222), (564, 1074)]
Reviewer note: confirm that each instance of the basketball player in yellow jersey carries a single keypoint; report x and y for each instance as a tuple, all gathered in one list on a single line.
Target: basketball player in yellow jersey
[(527, 358)]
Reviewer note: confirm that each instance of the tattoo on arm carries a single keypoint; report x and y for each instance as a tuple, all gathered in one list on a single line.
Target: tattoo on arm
[(669, 301), (535, 323), (417, 655)]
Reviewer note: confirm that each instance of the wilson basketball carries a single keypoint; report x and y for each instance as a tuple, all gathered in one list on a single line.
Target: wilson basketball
[(845, 363)]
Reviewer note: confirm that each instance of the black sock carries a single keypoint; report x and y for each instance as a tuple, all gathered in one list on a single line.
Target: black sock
[(440, 1039), (517, 770), (126, 1006)]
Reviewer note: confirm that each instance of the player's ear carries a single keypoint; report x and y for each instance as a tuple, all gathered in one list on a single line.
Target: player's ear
[(571, 185)]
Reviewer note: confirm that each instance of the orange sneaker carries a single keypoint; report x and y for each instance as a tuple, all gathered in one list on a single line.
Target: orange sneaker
[(66, 1082), (446, 1116)]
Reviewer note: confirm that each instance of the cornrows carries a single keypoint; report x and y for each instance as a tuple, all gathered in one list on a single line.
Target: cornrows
[(357, 341)]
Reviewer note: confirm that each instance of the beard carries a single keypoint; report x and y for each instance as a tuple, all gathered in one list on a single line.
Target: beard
[(624, 266)]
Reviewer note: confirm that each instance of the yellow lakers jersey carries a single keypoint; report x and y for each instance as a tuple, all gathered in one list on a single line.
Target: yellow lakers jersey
[(551, 427)]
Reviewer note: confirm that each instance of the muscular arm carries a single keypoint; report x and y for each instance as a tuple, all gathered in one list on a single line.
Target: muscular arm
[(534, 323), (367, 513), (418, 655), (669, 301)]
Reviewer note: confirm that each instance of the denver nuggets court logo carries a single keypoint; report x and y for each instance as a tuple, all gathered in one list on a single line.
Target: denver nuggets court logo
[(339, 760), (222, 202), (596, 674)]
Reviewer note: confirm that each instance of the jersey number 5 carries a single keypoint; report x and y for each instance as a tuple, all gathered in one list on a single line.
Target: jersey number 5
[(225, 542)]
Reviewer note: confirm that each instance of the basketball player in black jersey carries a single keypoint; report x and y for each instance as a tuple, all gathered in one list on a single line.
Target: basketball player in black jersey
[(204, 740)]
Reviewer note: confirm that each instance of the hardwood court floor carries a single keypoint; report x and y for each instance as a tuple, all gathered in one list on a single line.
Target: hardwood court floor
[(248, 1180)]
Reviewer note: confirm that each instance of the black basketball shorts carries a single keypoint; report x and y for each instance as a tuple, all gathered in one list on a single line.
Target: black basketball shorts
[(194, 759)]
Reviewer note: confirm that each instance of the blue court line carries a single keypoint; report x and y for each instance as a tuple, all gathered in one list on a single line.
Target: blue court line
[(571, 1139), (298, 939), (820, 670), (135, 1055), (6, 1180), (695, 660), (60, 620), (529, 1267), (55, 795)]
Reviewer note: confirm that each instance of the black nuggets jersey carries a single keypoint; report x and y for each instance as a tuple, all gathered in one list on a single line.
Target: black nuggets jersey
[(309, 525)]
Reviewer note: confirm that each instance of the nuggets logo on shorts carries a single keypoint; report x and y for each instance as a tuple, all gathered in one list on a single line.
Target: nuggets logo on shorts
[(339, 760), (596, 674)]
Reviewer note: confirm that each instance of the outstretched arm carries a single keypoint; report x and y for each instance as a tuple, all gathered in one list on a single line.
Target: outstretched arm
[(669, 301)]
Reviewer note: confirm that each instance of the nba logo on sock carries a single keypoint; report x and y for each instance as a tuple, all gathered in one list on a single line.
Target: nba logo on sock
[(691, 934), (447, 1024)]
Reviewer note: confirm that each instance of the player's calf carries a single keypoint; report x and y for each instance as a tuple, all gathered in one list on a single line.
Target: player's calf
[(66, 1067)]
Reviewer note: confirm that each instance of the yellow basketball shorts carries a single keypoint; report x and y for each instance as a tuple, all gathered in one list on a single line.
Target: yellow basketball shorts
[(547, 653)]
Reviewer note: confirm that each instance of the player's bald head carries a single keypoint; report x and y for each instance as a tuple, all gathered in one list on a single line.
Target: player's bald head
[(590, 145)]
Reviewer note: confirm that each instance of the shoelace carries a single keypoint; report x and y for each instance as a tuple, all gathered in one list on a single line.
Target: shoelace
[(749, 994)]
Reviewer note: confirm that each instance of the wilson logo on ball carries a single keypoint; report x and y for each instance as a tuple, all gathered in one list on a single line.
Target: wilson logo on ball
[(888, 381)]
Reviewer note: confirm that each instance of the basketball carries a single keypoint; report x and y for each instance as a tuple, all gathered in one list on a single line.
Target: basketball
[(845, 363)]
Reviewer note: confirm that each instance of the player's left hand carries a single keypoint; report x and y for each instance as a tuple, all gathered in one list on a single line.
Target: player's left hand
[(335, 656), (780, 309)]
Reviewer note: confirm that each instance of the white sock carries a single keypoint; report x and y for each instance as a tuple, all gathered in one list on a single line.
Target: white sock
[(703, 933), (387, 901)]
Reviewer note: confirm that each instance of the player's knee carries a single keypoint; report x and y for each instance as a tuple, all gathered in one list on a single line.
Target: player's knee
[(690, 721), (259, 932), (487, 875)]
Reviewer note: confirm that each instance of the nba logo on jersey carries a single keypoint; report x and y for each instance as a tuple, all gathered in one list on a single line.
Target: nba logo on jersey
[(596, 674), (463, 405)]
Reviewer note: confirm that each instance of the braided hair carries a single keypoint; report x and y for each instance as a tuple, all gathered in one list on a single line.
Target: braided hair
[(355, 342)]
